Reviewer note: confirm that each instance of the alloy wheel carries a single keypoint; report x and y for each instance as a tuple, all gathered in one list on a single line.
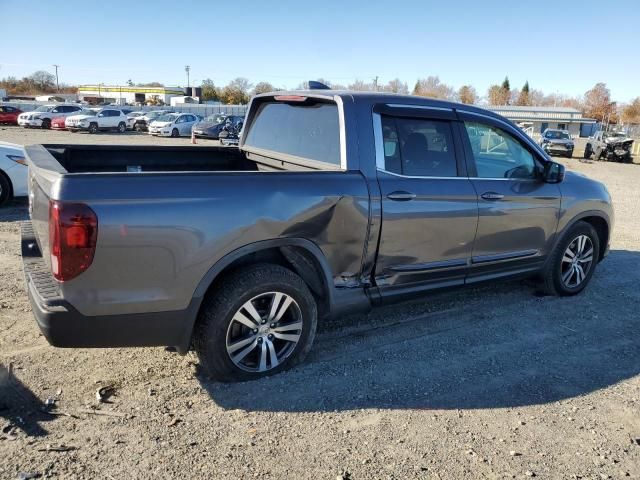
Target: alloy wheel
[(577, 261), (264, 332)]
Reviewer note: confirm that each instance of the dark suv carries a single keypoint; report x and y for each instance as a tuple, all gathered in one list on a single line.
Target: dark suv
[(557, 142)]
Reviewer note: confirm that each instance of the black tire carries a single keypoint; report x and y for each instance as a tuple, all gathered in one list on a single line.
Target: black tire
[(46, 124), (175, 133), (6, 193), (587, 151), (552, 282), (93, 127), (122, 127), (216, 317)]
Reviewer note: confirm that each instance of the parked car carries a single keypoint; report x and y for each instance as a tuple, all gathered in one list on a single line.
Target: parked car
[(557, 142), (211, 126), (13, 172), (9, 115), (333, 202), (58, 123), (230, 134), (611, 146), (42, 116), (132, 117), (92, 122), (141, 124), (173, 125)]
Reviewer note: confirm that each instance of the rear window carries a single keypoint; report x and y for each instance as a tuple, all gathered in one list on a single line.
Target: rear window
[(310, 131)]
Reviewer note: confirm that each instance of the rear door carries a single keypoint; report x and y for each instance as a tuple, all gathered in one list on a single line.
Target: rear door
[(429, 206), (518, 212)]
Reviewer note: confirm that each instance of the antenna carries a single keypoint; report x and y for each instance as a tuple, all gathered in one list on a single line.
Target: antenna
[(315, 85)]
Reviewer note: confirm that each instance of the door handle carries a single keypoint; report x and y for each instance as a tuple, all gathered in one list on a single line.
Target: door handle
[(492, 196), (401, 196)]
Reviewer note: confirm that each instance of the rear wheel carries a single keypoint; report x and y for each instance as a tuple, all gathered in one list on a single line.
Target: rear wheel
[(175, 133), (587, 151), (5, 189), (122, 127), (573, 261), (46, 123), (261, 321)]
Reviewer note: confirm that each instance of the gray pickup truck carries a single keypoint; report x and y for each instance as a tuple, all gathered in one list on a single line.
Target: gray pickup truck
[(334, 202)]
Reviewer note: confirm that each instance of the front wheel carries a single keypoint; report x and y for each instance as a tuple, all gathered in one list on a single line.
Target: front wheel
[(175, 133), (93, 128), (573, 261), (260, 321), (587, 151), (122, 127), (46, 124)]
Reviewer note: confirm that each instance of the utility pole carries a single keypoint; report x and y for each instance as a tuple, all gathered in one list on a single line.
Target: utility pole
[(187, 68), (375, 83), (57, 85)]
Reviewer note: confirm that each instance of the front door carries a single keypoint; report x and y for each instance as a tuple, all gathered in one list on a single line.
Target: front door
[(429, 206), (518, 212)]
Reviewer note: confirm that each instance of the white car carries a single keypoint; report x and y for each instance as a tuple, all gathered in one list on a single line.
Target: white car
[(13, 172), (132, 117), (103, 119), (42, 116), (141, 123), (173, 125)]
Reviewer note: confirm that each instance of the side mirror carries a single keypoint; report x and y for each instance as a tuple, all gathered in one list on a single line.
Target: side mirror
[(553, 172)]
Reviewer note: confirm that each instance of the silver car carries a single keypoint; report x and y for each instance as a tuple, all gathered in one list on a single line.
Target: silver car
[(173, 125)]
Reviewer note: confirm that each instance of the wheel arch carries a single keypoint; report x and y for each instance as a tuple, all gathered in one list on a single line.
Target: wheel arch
[(4, 175), (298, 254), (599, 221)]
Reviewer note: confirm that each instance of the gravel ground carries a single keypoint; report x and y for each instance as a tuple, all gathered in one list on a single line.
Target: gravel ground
[(493, 382)]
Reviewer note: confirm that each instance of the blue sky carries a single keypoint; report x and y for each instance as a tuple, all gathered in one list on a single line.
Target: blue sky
[(563, 47)]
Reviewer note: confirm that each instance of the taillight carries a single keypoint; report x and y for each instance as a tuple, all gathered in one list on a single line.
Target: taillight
[(73, 232), (290, 98)]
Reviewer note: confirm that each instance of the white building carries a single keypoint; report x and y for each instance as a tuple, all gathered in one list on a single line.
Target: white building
[(534, 120), (125, 94)]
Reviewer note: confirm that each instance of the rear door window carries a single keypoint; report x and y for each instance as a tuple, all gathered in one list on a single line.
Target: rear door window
[(418, 147), (309, 130)]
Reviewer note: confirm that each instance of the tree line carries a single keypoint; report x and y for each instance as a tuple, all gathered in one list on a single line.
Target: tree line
[(595, 103)]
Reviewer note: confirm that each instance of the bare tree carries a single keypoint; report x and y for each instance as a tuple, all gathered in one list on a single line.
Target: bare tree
[(43, 81), (434, 88), (263, 87), (631, 112), (362, 86), (496, 95), (396, 86), (467, 94), (598, 104), (523, 97)]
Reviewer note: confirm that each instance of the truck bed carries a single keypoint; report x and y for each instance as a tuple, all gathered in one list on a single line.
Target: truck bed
[(141, 158)]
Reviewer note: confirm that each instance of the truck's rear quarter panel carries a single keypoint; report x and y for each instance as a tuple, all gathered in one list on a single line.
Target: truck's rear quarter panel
[(159, 234)]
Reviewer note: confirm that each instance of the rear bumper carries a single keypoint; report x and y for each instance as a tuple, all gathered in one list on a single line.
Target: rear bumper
[(64, 326)]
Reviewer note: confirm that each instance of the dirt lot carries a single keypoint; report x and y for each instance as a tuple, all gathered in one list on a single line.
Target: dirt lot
[(493, 382)]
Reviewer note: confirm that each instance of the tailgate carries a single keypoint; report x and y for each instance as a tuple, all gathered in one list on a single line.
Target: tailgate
[(45, 173)]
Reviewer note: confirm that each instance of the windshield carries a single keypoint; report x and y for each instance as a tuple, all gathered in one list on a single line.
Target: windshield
[(166, 118), (44, 108), (614, 135), (555, 134)]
